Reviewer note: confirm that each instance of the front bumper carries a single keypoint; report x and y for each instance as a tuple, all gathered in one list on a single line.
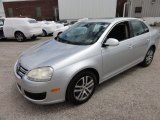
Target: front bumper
[(39, 92)]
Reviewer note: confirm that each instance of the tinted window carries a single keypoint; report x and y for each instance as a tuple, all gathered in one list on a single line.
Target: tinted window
[(138, 27), (32, 21), (120, 32)]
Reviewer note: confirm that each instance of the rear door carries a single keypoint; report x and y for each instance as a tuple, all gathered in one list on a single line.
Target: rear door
[(141, 39)]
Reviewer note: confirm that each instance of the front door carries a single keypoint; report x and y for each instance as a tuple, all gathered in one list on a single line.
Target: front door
[(117, 58)]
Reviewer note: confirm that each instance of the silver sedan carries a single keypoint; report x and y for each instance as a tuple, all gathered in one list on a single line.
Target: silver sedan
[(87, 54)]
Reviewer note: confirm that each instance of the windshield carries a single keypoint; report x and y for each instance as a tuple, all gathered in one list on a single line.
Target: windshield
[(83, 33)]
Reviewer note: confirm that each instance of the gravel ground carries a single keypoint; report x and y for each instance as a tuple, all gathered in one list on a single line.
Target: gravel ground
[(133, 95)]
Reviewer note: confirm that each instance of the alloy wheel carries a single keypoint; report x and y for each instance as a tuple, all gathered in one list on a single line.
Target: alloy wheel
[(84, 88), (19, 37), (149, 56)]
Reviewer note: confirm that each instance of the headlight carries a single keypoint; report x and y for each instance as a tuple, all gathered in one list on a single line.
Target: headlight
[(40, 74)]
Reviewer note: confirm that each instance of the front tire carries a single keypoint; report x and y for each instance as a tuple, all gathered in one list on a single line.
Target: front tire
[(81, 88), (148, 58), (20, 36)]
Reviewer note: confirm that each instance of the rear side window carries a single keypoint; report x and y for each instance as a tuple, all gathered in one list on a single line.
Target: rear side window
[(145, 27), (32, 21), (139, 27)]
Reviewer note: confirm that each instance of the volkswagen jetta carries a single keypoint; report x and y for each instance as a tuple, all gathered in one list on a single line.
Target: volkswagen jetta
[(87, 54)]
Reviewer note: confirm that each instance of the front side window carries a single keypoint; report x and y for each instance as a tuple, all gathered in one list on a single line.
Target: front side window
[(120, 32), (83, 33), (138, 27)]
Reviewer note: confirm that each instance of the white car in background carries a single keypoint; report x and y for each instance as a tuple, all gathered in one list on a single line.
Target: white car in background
[(58, 25), (48, 27), (19, 28), (58, 31)]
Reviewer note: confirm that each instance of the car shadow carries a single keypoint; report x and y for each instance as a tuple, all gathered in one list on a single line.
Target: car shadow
[(46, 36)]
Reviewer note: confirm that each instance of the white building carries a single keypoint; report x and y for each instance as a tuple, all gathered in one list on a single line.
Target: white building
[(76, 9), (144, 8), (2, 14)]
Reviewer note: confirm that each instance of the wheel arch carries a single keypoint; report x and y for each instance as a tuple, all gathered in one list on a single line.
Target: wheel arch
[(153, 47), (93, 70), (17, 32), (59, 33)]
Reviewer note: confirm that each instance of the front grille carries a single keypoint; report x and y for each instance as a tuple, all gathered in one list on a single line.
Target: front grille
[(21, 71), (35, 96)]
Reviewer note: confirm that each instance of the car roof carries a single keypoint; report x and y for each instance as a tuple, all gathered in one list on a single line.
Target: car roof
[(110, 20), (18, 18)]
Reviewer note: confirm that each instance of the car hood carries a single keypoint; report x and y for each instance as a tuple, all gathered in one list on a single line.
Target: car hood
[(48, 54)]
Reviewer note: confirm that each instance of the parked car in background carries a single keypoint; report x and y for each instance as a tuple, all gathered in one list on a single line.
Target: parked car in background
[(58, 31), (19, 28), (48, 27), (82, 57), (64, 22), (56, 24)]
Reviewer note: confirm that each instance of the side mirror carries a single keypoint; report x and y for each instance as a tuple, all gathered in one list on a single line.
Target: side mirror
[(111, 42)]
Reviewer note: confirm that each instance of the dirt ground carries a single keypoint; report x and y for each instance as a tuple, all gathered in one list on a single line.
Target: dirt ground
[(132, 95)]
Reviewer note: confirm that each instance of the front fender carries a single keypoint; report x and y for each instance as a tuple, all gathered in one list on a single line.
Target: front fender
[(65, 75)]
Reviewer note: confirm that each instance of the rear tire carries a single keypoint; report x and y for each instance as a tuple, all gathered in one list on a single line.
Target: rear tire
[(20, 36), (148, 58), (81, 88)]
